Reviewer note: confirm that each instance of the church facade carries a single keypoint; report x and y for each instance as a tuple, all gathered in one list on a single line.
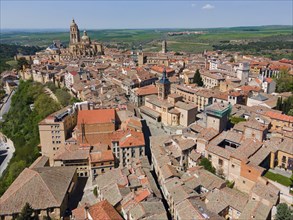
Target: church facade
[(82, 46)]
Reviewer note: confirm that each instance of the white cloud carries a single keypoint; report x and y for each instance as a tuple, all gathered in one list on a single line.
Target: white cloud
[(208, 7), (193, 5)]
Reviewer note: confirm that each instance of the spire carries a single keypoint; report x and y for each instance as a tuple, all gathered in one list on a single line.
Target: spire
[(73, 22), (164, 73), (164, 79)]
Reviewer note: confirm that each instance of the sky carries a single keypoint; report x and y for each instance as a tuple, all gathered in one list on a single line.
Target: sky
[(39, 14)]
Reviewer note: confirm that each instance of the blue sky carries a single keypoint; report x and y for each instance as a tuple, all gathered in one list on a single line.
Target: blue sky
[(144, 14)]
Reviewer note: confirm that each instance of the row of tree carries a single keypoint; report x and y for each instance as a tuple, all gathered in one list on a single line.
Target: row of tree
[(284, 82), (8, 51), (286, 105), (261, 48)]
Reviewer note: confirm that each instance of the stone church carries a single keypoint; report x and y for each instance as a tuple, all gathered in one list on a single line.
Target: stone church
[(82, 46)]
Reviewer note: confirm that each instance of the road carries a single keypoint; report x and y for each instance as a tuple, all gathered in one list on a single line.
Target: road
[(7, 146), (6, 105)]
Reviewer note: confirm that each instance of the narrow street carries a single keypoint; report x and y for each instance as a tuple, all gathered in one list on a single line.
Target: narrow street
[(6, 105)]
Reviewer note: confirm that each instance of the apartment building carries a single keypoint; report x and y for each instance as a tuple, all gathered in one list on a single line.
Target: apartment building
[(55, 129), (200, 97), (211, 79), (127, 145)]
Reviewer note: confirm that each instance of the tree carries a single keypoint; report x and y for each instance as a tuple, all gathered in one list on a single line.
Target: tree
[(230, 184), (279, 103), (235, 120), (21, 126), (232, 60), (286, 105), (95, 192), (21, 62), (45, 105), (284, 82), (207, 165), (63, 97), (283, 212), (26, 212), (51, 86), (197, 78)]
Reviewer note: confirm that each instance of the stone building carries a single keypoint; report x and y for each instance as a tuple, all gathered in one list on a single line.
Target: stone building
[(164, 46), (47, 189), (82, 46), (217, 116), (55, 129), (163, 86)]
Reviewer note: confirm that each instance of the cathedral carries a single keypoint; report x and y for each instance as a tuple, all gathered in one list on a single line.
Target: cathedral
[(82, 46)]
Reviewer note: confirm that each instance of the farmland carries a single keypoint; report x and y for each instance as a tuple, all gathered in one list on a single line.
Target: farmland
[(150, 39)]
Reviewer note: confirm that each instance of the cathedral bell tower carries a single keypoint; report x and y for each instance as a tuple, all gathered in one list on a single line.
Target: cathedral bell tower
[(74, 33), (163, 86)]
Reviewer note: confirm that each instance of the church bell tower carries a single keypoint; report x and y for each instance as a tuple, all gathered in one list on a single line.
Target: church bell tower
[(163, 86), (74, 33)]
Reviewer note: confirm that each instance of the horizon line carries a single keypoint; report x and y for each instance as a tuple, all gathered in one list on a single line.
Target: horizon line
[(150, 28)]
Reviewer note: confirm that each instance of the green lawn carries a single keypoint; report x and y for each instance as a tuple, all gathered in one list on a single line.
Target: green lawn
[(12, 63), (278, 178)]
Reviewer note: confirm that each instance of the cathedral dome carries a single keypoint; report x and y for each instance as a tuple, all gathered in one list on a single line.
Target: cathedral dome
[(85, 37)]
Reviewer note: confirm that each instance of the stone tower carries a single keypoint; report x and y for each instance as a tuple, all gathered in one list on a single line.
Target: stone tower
[(242, 72), (164, 46), (163, 86), (74, 33), (217, 116)]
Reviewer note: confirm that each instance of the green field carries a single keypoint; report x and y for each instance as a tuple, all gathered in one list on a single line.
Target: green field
[(150, 39)]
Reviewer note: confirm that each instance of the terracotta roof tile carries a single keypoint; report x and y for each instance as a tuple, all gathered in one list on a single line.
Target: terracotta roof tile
[(142, 194), (96, 116), (101, 156), (279, 116), (147, 90), (104, 211)]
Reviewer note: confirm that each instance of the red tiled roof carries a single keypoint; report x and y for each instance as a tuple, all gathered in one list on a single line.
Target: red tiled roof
[(73, 73), (286, 61), (269, 80), (104, 211), (279, 116), (160, 69), (129, 138), (142, 194), (101, 156), (250, 88), (96, 116), (147, 90)]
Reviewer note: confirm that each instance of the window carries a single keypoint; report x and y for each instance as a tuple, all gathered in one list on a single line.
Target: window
[(209, 157), (243, 181), (233, 165), (249, 171), (284, 159), (220, 162)]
